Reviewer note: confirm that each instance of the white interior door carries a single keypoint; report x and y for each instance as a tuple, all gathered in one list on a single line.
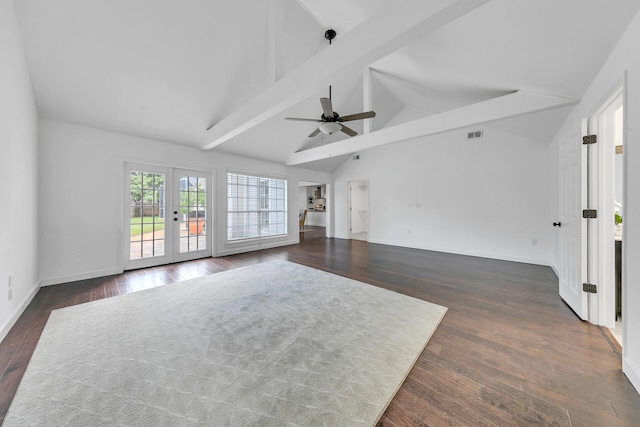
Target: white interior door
[(167, 215), (572, 231)]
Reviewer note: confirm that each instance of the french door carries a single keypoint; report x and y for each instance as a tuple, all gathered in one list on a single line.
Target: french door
[(167, 215)]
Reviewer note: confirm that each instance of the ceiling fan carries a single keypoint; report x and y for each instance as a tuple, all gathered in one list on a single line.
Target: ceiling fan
[(330, 121)]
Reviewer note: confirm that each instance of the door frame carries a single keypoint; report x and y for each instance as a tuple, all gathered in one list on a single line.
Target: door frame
[(171, 254), (597, 193), (603, 253), (328, 195)]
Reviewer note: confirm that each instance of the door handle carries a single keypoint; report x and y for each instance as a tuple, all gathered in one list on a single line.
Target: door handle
[(559, 224)]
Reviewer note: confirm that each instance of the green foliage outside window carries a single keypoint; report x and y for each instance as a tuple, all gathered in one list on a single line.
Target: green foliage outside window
[(145, 187)]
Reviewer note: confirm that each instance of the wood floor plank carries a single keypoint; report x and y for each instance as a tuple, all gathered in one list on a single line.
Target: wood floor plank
[(509, 352)]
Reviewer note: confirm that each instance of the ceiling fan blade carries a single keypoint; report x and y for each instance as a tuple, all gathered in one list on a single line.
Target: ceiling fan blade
[(348, 131), (314, 133), (359, 116), (327, 108), (302, 120)]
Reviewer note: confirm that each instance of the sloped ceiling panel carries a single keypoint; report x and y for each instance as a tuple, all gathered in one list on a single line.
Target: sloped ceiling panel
[(165, 72), (168, 71)]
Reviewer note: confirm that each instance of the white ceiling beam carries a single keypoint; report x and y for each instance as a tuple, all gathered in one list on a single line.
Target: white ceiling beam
[(349, 54), (511, 105), (367, 98)]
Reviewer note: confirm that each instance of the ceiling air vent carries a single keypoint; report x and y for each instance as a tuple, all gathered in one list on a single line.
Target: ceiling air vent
[(475, 134)]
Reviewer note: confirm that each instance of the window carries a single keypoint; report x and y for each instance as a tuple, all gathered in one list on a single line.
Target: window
[(256, 207)]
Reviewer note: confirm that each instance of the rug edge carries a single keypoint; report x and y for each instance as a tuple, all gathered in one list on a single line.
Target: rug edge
[(404, 378)]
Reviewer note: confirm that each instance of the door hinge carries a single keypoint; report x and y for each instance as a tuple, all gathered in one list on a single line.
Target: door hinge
[(590, 288), (589, 139), (589, 213)]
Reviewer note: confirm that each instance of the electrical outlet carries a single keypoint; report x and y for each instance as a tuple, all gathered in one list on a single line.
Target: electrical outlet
[(534, 242), (10, 287)]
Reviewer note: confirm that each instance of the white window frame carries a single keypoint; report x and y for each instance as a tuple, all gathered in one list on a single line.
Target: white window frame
[(244, 202)]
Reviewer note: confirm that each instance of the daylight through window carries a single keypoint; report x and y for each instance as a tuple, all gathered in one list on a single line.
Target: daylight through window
[(256, 206)]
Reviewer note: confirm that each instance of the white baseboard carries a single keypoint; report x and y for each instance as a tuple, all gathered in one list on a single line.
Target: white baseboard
[(239, 248), (526, 260), (25, 303), (632, 372), (78, 276)]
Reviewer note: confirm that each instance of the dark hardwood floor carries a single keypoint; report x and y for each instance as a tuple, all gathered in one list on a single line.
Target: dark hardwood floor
[(509, 352)]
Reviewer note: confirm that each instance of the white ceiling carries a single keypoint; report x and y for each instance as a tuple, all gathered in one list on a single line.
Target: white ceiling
[(169, 70)]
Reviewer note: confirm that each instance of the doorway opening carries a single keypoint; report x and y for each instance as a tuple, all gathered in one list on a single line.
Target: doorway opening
[(609, 125), (359, 210), (592, 189), (604, 216), (313, 209)]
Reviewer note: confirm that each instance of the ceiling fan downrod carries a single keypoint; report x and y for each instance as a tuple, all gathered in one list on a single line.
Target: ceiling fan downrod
[(330, 34)]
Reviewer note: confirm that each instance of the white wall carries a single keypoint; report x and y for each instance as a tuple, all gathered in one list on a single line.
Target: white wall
[(81, 196), (18, 173), (302, 198), (625, 57), (486, 197)]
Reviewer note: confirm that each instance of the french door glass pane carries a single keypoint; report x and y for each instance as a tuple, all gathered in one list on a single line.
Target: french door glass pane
[(193, 204), (146, 215)]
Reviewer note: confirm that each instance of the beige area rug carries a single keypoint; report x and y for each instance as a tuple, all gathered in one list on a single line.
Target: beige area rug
[(272, 344)]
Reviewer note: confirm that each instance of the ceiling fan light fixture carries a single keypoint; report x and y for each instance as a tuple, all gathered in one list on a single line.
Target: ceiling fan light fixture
[(330, 127)]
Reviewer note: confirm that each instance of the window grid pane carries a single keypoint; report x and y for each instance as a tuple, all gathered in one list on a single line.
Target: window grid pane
[(146, 222), (256, 207), (193, 202)]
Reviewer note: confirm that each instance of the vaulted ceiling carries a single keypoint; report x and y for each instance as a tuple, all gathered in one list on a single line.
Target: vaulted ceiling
[(223, 75)]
